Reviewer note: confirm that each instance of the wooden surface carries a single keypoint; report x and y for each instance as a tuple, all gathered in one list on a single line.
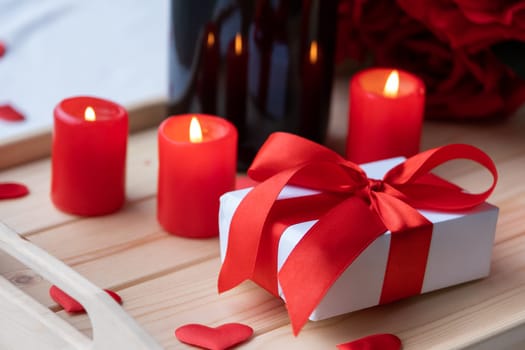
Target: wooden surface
[(167, 281), (26, 324), (36, 144)]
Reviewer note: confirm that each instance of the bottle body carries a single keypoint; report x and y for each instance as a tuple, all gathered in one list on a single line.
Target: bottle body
[(264, 65)]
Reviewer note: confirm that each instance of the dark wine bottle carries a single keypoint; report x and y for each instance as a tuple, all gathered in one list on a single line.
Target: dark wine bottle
[(265, 65)]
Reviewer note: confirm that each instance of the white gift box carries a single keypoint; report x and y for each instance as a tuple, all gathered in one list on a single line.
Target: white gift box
[(460, 249)]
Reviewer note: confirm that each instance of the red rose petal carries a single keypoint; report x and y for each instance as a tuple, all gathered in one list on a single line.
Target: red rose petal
[(10, 190), (373, 342), (114, 295), (3, 49), (220, 338), (71, 305), (10, 114), (68, 303)]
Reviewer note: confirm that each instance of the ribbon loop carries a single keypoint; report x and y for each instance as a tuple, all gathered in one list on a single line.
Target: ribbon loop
[(352, 211), (423, 191)]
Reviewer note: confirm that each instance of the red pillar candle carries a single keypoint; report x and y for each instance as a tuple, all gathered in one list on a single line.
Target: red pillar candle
[(385, 116), (89, 156), (194, 171)]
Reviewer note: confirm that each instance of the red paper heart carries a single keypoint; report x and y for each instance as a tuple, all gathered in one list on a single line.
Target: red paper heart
[(114, 295), (71, 305), (373, 342), (220, 338), (10, 114), (10, 190), (2, 49)]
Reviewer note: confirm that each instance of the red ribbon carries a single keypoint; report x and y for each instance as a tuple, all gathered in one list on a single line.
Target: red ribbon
[(352, 211)]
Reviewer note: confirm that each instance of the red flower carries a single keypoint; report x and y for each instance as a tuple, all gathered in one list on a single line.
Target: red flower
[(440, 42), (362, 23), (459, 85), (470, 24)]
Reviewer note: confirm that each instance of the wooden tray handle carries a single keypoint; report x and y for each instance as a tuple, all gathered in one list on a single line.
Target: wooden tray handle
[(113, 328)]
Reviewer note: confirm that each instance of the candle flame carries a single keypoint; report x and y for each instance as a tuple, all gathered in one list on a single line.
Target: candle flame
[(210, 40), (314, 52), (392, 84), (238, 44), (195, 130), (89, 114)]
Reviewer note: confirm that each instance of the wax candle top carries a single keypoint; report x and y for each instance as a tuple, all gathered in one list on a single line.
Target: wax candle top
[(177, 130), (89, 109), (374, 81)]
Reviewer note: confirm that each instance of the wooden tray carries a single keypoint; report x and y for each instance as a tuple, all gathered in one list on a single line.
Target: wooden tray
[(29, 325), (167, 281)]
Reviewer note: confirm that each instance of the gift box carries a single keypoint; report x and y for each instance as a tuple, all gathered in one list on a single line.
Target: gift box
[(453, 247)]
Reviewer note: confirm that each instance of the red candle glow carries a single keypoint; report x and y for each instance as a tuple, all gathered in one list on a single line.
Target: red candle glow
[(89, 156), (208, 79), (237, 65), (310, 123), (197, 164), (385, 116)]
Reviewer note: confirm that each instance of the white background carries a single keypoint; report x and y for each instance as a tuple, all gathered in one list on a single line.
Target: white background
[(115, 49)]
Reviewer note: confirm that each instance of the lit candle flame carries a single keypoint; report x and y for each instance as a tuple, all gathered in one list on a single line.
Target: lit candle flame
[(238, 44), (392, 84), (89, 114), (314, 52), (210, 40), (195, 130)]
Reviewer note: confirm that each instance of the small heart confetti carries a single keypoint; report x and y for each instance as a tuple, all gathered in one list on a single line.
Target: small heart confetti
[(220, 338), (71, 305), (373, 342), (10, 114), (9, 190), (114, 295)]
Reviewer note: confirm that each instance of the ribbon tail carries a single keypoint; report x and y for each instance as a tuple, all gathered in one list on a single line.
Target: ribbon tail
[(409, 247), (323, 254), (243, 243)]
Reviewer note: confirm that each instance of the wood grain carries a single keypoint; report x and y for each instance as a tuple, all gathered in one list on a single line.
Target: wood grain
[(36, 212), (168, 281), (112, 327)]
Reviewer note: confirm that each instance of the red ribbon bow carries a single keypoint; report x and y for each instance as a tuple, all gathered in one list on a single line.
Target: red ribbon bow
[(352, 211)]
